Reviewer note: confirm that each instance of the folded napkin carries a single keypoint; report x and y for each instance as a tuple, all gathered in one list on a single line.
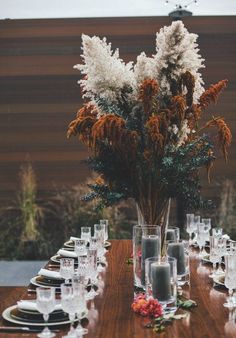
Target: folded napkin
[(66, 253), (49, 274), (74, 238), (31, 305)]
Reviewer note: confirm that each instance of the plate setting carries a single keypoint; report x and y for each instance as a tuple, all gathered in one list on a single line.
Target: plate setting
[(219, 280), (32, 318)]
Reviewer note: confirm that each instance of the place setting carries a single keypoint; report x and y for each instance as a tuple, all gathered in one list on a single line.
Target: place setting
[(62, 294)]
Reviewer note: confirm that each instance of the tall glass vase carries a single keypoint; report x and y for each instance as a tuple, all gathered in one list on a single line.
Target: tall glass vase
[(146, 244)]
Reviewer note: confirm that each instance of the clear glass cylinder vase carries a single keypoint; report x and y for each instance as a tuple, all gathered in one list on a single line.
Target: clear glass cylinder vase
[(146, 244)]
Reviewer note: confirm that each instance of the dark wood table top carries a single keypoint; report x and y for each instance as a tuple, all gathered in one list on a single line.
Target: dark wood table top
[(111, 317)]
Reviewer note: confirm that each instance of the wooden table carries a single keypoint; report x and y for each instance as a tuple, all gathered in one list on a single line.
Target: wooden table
[(113, 318)]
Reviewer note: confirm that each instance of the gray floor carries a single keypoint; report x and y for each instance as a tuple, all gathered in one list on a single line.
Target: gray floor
[(18, 273)]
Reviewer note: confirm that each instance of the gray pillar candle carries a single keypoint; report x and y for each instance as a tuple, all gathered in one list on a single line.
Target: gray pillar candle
[(150, 248), (176, 250), (160, 280), (170, 235)]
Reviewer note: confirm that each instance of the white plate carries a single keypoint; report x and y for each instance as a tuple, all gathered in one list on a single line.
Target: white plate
[(68, 244), (206, 259), (7, 316), (218, 281), (34, 282)]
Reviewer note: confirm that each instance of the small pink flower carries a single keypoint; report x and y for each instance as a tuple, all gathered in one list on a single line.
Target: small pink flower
[(147, 308)]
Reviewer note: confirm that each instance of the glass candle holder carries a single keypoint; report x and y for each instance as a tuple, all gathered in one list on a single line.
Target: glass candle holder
[(146, 244), (180, 251), (172, 234), (161, 281)]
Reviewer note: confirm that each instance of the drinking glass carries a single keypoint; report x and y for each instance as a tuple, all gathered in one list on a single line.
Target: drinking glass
[(196, 221), (217, 232), (202, 236), (92, 272), (189, 228), (86, 234), (105, 222), (230, 278), (214, 254), (232, 247), (83, 266), (81, 305), (45, 301), (222, 251), (207, 222), (69, 305), (80, 247), (67, 268), (146, 244), (161, 281), (99, 235)]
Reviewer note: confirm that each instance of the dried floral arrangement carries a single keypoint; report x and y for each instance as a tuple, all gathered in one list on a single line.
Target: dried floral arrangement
[(142, 122)]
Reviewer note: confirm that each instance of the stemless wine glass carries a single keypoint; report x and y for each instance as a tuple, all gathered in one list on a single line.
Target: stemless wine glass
[(81, 305), (214, 254), (45, 301), (69, 305), (230, 278), (86, 234), (80, 247), (105, 223), (67, 268)]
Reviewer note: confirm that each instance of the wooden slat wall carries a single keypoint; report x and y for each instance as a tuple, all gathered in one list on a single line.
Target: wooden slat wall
[(39, 94)]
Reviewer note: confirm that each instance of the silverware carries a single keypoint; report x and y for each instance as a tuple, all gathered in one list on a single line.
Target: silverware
[(20, 329)]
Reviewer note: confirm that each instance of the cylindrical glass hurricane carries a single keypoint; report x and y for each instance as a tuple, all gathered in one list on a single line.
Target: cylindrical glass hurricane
[(146, 244)]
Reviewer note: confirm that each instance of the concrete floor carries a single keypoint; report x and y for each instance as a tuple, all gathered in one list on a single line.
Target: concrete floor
[(18, 273)]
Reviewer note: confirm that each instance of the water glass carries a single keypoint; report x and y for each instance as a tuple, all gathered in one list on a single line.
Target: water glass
[(86, 234), (92, 272), (214, 254), (80, 247), (230, 278), (146, 244), (207, 222), (217, 232), (99, 235), (82, 269), (69, 305), (81, 305), (105, 223), (222, 251), (202, 237), (45, 301), (189, 225), (161, 281), (67, 269)]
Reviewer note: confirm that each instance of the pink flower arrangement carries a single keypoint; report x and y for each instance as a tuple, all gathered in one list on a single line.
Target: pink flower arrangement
[(147, 308)]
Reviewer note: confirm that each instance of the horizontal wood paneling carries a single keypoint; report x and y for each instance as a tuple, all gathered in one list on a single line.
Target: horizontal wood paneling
[(39, 94)]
